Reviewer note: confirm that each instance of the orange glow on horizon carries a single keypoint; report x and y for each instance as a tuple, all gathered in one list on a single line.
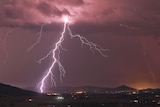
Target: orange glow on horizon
[(140, 86)]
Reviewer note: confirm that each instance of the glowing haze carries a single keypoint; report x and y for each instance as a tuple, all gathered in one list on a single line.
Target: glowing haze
[(129, 28)]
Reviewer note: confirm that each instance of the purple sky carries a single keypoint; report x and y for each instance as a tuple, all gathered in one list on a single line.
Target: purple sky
[(128, 28)]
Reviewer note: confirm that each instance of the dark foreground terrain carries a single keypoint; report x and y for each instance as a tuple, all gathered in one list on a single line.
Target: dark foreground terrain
[(121, 97), (83, 100)]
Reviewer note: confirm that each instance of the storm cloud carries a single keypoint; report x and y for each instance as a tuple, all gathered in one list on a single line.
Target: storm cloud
[(143, 15)]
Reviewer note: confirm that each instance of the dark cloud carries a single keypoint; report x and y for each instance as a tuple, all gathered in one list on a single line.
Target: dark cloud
[(142, 14), (35, 12), (72, 2), (51, 11), (13, 13)]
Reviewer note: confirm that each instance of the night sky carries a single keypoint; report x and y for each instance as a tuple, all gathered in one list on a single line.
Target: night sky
[(130, 29)]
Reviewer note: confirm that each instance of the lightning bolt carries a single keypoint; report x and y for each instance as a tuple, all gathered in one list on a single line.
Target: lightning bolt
[(93, 47), (57, 45), (38, 39), (4, 44), (128, 27), (149, 67), (147, 62)]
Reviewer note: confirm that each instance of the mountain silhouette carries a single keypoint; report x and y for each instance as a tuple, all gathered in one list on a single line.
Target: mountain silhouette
[(91, 89), (8, 90), (124, 88)]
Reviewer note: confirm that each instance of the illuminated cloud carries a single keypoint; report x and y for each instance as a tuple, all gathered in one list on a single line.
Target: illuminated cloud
[(15, 12), (132, 12)]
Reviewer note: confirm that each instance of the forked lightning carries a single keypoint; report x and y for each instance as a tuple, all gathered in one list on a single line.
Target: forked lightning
[(56, 52)]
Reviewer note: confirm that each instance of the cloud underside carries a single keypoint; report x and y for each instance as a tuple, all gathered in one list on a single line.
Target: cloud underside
[(129, 14)]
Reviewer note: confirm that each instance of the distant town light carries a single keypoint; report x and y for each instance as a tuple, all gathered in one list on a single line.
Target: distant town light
[(79, 92), (60, 98), (157, 96), (30, 100), (51, 94), (153, 101), (135, 101), (68, 105), (134, 92)]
